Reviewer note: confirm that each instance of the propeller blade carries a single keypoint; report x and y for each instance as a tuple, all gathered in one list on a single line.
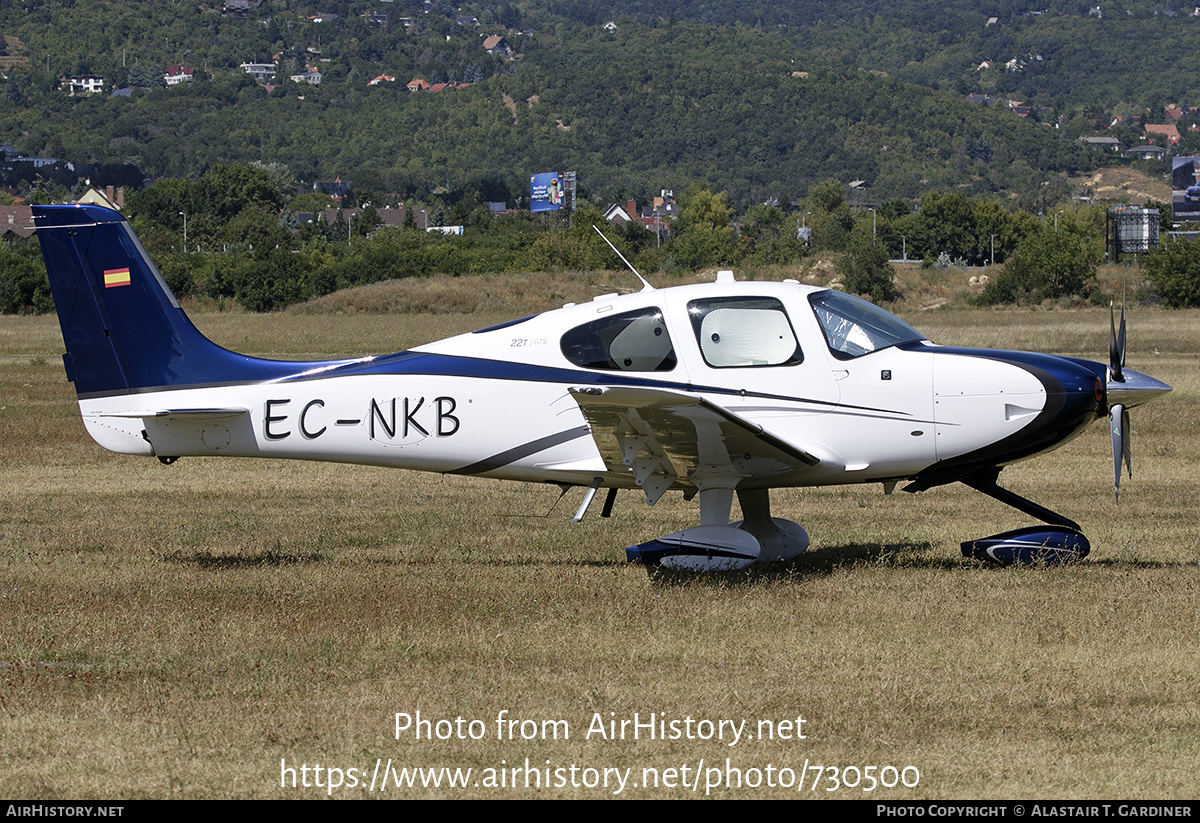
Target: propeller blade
[(1116, 345), (1118, 419), (1121, 337), (1126, 450)]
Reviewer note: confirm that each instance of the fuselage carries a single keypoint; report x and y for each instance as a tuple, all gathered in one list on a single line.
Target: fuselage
[(839, 379)]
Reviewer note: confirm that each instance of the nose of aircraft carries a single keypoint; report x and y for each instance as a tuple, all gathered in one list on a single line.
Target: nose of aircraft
[(1135, 389)]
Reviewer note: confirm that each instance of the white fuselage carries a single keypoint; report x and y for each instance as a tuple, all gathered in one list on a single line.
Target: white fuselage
[(497, 402)]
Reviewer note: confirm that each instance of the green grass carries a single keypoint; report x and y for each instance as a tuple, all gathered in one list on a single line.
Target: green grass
[(176, 631)]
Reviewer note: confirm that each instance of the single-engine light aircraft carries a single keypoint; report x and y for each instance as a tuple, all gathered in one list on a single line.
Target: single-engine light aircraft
[(714, 390)]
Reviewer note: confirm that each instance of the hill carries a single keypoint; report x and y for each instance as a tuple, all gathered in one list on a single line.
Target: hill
[(640, 106)]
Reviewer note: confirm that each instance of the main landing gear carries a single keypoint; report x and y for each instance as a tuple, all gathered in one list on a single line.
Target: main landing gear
[(718, 545)]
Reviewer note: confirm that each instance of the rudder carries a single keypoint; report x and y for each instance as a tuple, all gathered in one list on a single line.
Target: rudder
[(123, 328)]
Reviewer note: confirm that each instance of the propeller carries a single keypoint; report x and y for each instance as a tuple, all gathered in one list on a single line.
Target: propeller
[(1118, 416), (1123, 390)]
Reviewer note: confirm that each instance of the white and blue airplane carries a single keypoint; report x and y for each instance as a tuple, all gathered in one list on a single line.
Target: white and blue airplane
[(713, 390)]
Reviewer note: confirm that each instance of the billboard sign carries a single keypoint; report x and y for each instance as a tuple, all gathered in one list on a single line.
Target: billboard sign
[(1185, 188), (545, 191)]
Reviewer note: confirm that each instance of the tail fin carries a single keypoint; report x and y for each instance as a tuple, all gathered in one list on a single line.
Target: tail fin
[(123, 328)]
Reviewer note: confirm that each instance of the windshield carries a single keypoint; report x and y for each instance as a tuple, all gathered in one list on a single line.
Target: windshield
[(853, 327)]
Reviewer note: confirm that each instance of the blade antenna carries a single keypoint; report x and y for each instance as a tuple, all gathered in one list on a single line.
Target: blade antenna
[(645, 285)]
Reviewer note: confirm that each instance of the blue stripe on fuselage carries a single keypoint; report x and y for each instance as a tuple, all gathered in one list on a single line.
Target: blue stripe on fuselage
[(1070, 407)]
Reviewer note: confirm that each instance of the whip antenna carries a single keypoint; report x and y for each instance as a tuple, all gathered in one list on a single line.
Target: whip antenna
[(645, 285)]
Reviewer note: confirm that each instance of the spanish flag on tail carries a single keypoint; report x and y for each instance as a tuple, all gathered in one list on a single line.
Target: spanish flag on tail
[(116, 277)]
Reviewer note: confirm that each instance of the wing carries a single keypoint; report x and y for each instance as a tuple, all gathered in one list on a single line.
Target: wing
[(667, 437)]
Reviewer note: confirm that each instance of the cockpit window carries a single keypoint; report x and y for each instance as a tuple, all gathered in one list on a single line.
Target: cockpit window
[(632, 341), (744, 331), (853, 327)]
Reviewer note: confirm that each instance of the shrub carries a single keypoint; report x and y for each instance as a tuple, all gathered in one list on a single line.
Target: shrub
[(24, 287), (1174, 272), (1046, 265), (865, 270)]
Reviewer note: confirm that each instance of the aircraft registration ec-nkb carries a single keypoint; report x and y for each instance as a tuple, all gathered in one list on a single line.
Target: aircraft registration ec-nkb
[(710, 389)]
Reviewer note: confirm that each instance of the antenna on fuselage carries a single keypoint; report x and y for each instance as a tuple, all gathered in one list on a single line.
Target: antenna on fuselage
[(645, 285)]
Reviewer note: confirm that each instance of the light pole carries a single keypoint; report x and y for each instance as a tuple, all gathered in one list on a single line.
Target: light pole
[(184, 216), (802, 231)]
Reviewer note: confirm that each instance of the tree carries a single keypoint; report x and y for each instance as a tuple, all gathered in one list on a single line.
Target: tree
[(865, 269), (13, 91), (147, 77), (1174, 272), (230, 188), (1046, 265), (829, 215), (702, 211), (951, 226), (701, 235), (24, 287)]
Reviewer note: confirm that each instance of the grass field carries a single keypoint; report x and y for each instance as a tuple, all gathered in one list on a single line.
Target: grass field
[(196, 630)]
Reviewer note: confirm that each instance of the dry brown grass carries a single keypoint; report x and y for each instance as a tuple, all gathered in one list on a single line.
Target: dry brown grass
[(176, 631), (1124, 185)]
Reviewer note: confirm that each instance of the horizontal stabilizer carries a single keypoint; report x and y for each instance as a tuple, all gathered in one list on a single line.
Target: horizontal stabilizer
[(193, 414)]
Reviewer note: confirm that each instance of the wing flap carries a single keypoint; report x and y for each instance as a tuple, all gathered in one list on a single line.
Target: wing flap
[(665, 437)]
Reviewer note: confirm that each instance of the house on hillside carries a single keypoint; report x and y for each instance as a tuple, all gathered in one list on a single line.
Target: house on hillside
[(109, 198), (497, 46), (312, 77), (259, 71), (417, 84), (1109, 143), (174, 75), (388, 218), (9, 156), (1158, 130), (1146, 152), (383, 78), (237, 8), (337, 189), (84, 84), (16, 221), (616, 215)]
